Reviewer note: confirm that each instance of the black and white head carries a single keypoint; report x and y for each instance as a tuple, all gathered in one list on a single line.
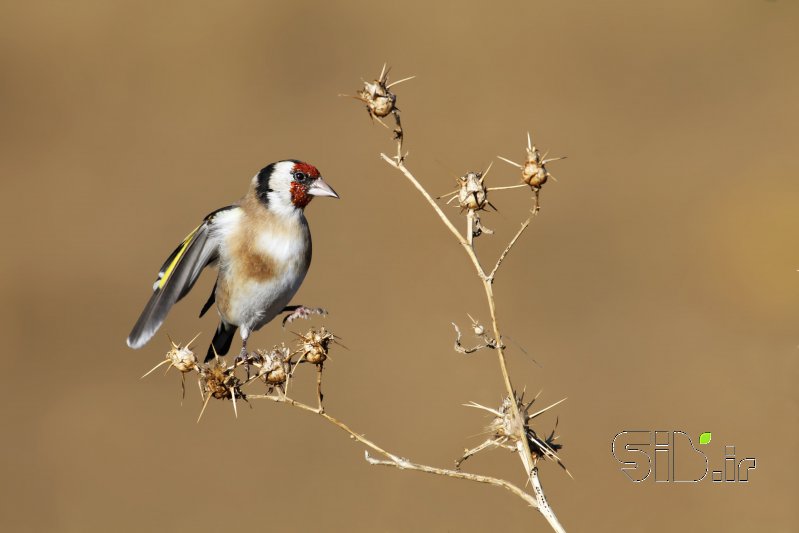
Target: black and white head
[(288, 186)]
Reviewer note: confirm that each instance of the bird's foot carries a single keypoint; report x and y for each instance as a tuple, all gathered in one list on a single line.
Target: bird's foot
[(243, 358), (300, 311)]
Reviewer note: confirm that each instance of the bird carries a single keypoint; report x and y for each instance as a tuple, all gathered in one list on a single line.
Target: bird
[(261, 246)]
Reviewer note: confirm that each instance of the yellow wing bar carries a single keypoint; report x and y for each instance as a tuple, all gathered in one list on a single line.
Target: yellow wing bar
[(177, 258)]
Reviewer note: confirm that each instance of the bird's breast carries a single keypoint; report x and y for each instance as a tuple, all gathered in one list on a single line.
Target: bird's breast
[(263, 261), (260, 246)]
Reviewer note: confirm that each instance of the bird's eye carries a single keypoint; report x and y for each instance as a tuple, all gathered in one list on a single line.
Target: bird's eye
[(300, 176)]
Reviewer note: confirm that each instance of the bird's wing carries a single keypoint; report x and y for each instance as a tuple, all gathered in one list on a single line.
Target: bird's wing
[(177, 277)]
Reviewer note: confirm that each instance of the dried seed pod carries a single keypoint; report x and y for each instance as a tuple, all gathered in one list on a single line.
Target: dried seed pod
[(534, 170), (314, 345), (276, 366), (381, 102), (534, 176), (504, 425), (219, 381), (182, 358), (378, 99), (532, 165), (472, 192), (506, 428)]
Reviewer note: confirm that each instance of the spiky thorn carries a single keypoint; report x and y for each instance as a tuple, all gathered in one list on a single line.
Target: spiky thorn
[(483, 407), (205, 404), (233, 399), (544, 410), (451, 193), (390, 85), (153, 369)]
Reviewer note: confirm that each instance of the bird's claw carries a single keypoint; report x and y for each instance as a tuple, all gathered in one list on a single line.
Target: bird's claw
[(302, 312), (243, 358)]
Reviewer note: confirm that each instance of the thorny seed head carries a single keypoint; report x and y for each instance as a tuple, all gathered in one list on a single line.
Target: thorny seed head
[(377, 96), (506, 427), (534, 170), (314, 345), (472, 192), (541, 448), (219, 380), (534, 173), (182, 358), (378, 99), (381, 102), (275, 365)]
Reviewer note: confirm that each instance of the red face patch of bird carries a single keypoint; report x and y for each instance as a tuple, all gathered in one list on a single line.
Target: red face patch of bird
[(299, 194)]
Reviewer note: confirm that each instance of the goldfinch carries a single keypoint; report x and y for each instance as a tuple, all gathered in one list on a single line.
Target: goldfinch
[(262, 248)]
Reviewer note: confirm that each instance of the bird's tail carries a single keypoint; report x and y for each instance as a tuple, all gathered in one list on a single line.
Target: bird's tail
[(222, 340)]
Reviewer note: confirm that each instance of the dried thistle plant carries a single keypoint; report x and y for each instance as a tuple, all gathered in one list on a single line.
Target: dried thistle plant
[(512, 419), (510, 427), (180, 357), (218, 380), (381, 102), (506, 429), (534, 170), (314, 348), (314, 345), (274, 367), (472, 196)]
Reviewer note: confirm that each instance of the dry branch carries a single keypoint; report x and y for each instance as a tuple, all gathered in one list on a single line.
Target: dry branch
[(472, 197), (510, 427)]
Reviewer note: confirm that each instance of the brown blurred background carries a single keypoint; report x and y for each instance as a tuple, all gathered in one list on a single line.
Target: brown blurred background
[(658, 288)]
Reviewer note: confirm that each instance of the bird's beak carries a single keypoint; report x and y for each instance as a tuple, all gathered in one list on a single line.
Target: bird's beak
[(320, 188)]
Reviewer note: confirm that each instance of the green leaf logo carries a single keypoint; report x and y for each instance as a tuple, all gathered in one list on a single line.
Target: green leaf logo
[(704, 438)]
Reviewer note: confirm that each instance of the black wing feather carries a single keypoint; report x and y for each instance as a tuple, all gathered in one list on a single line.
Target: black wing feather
[(210, 301), (186, 263)]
